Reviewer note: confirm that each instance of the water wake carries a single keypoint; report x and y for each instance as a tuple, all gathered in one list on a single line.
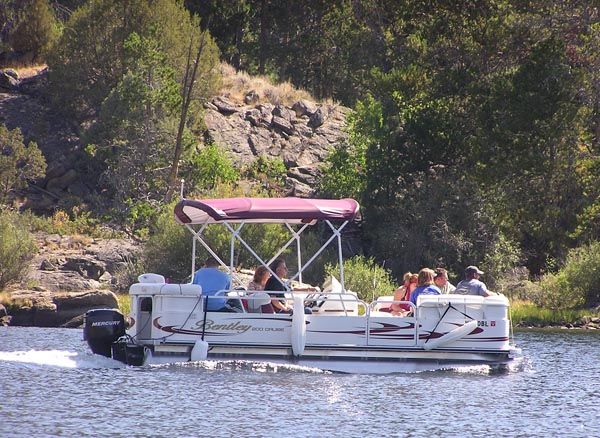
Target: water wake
[(59, 358), (245, 365)]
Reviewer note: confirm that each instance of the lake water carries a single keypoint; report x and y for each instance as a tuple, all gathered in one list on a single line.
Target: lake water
[(51, 386)]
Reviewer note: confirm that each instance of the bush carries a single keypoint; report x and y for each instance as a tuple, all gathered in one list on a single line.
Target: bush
[(211, 167), (18, 163), (63, 223), (576, 285), (579, 279), (269, 171), (17, 248), (36, 31), (365, 277)]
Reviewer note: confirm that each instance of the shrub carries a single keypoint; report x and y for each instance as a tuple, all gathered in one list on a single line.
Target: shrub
[(365, 277), (579, 279), (17, 248), (577, 284), (269, 171), (211, 167), (18, 163), (37, 29), (63, 223), (128, 274)]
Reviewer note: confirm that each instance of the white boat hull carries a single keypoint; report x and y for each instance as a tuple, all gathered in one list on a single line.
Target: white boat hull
[(445, 330)]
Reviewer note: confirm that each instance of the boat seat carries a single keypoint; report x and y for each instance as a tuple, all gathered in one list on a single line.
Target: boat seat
[(383, 304), (259, 302)]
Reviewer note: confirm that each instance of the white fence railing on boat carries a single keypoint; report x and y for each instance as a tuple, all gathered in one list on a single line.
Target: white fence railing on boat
[(368, 312)]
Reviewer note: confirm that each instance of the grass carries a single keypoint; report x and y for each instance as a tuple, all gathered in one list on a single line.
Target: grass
[(237, 83), (13, 304), (525, 313), (82, 226)]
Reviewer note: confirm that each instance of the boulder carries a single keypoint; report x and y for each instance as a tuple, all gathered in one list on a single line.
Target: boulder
[(8, 82), (85, 300), (317, 118), (47, 310), (224, 105), (11, 73), (60, 183), (49, 265), (304, 108), (283, 112), (254, 116), (283, 124), (251, 97), (4, 316), (86, 266)]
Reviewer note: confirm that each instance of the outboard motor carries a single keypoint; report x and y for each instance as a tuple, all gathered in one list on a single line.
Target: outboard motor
[(103, 327)]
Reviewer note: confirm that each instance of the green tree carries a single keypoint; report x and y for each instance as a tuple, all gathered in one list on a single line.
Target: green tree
[(90, 59), (19, 163), (123, 66), (36, 31), (345, 173), (17, 248), (135, 130)]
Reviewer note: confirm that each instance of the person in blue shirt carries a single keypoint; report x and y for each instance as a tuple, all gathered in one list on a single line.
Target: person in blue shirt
[(212, 281), (425, 285)]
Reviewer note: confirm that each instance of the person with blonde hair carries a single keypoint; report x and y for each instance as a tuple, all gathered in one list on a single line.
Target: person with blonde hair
[(403, 294), (425, 285)]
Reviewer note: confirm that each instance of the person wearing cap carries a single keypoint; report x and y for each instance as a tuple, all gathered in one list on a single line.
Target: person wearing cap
[(471, 285)]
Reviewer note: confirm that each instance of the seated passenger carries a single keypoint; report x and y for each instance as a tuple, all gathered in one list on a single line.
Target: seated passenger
[(471, 284), (261, 276), (425, 285), (403, 294), (279, 301), (212, 280), (441, 281), (273, 284)]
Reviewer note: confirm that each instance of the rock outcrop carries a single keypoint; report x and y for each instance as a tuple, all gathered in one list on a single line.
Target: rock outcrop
[(69, 276), (47, 309), (301, 135)]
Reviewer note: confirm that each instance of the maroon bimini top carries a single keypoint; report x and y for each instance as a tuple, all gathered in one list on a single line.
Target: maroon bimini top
[(264, 210)]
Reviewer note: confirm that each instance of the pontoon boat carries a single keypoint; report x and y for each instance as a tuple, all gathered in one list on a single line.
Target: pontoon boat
[(170, 323)]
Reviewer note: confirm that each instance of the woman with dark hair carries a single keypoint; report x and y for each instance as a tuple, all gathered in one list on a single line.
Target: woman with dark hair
[(259, 281)]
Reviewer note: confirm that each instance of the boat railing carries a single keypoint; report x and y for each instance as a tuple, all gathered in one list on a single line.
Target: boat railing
[(323, 303), (349, 303)]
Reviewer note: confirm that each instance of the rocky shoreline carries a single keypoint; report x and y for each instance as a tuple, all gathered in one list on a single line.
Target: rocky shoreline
[(69, 276)]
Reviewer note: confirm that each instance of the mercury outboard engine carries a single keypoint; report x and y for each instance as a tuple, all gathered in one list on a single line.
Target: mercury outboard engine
[(103, 327)]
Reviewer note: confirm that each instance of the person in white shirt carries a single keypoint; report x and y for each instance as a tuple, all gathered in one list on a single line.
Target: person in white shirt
[(441, 281)]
